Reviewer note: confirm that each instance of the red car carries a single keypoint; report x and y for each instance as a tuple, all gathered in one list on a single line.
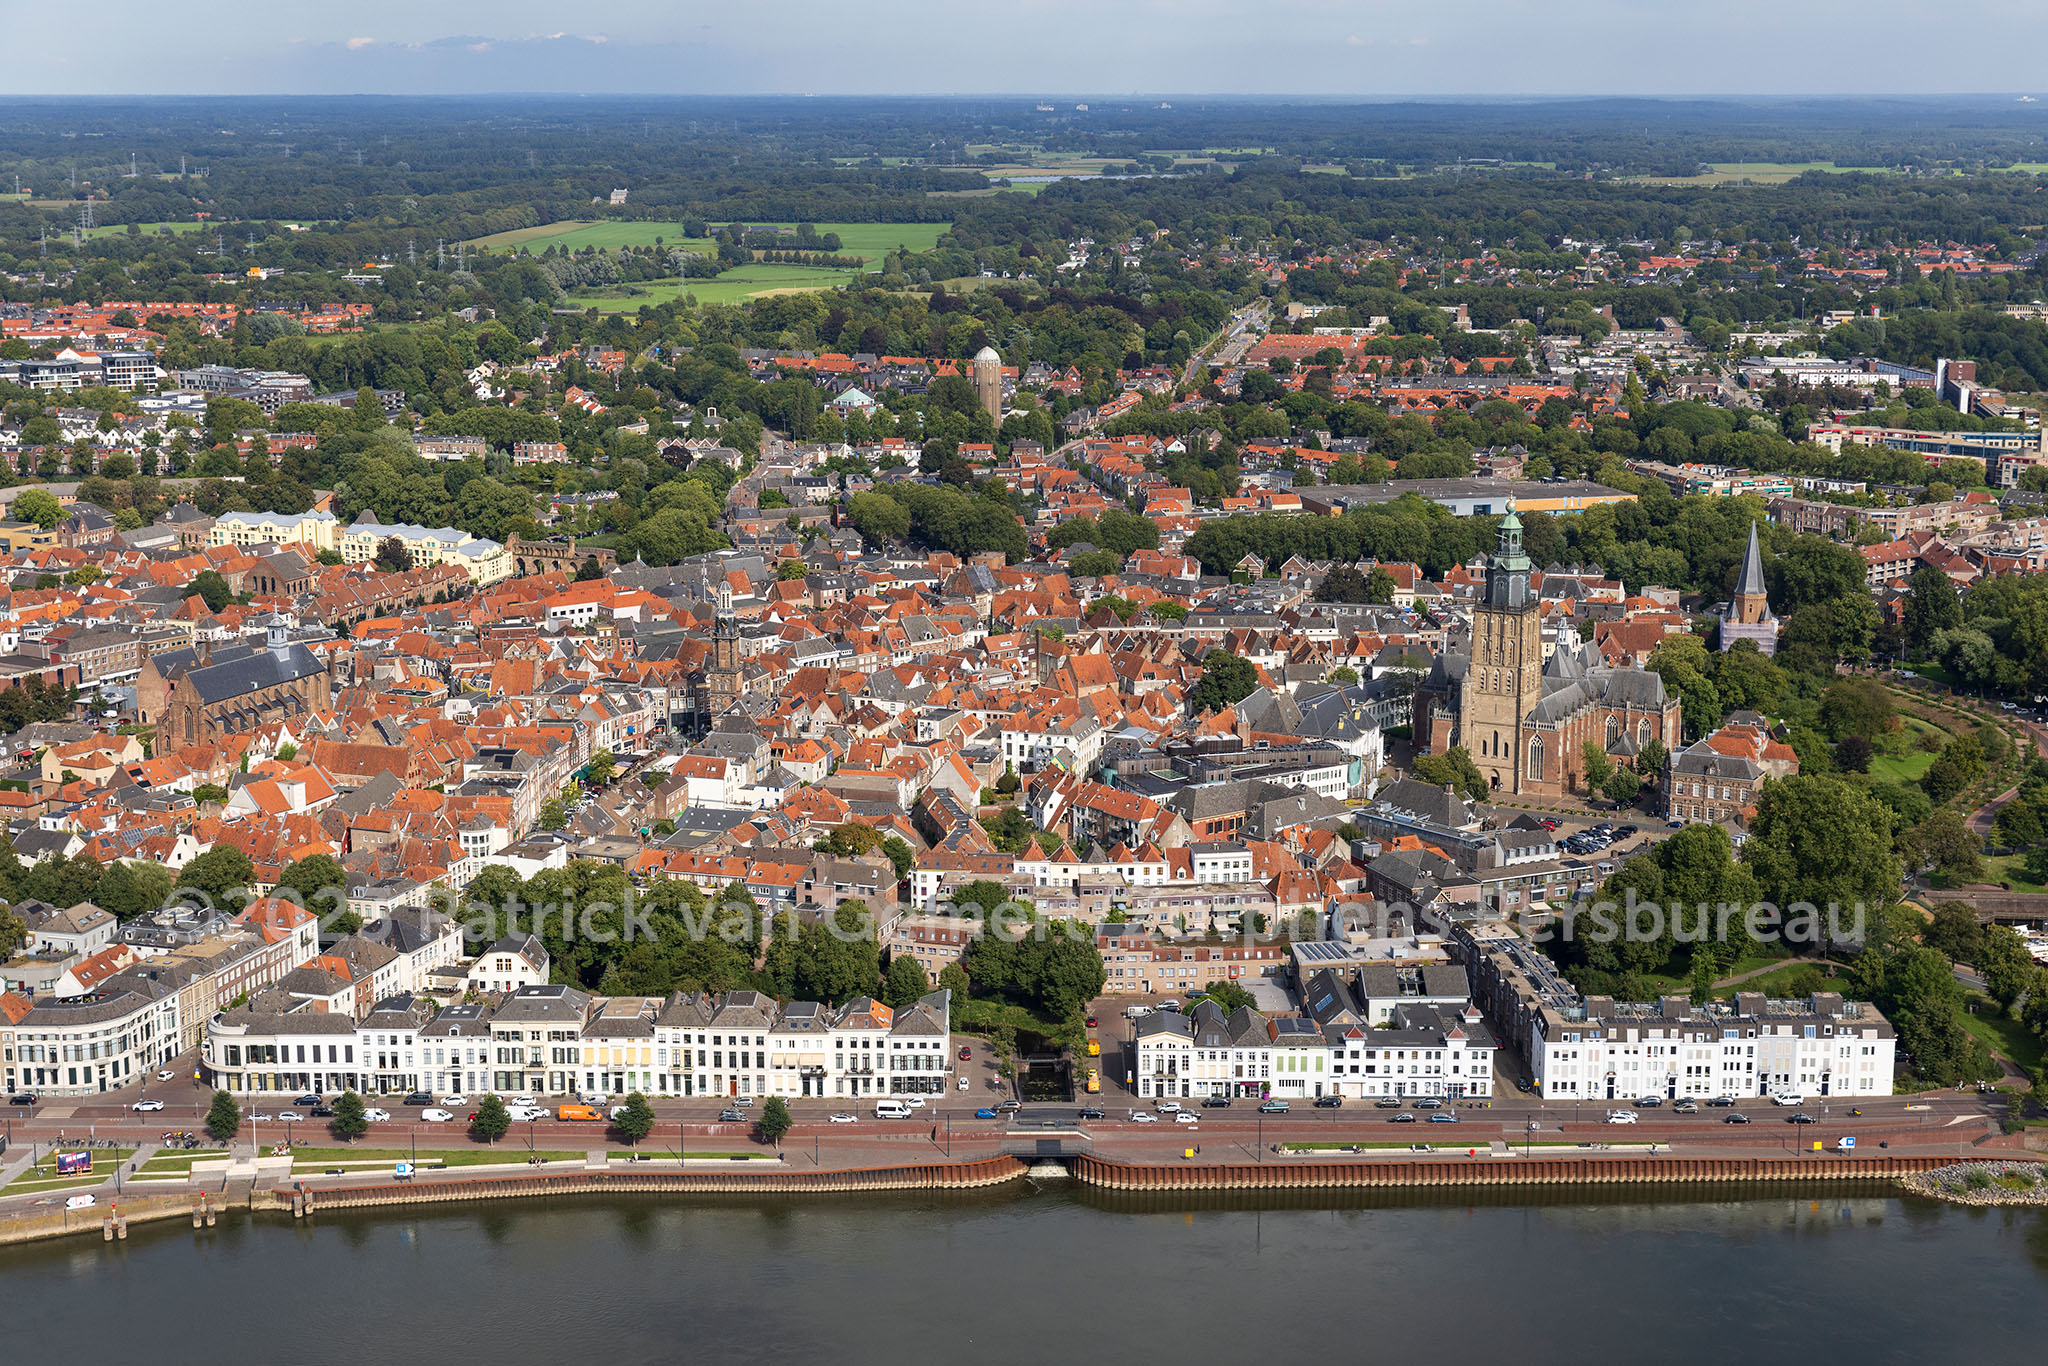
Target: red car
[(966, 1053), (1548, 824), (1091, 1022)]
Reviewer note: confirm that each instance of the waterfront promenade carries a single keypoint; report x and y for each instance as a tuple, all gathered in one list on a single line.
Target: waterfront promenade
[(1236, 1148)]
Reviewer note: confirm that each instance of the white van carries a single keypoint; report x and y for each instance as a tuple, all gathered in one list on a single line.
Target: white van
[(891, 1109), (1787, 1098)]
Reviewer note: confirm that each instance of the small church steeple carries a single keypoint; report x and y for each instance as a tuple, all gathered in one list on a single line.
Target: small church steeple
[(1750, 603)]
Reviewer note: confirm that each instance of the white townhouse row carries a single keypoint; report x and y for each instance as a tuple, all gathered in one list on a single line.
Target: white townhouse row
[(1426, 1052), (549, 1039), (1823, 1046)]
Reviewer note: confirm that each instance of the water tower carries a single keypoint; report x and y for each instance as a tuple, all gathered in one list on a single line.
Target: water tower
[(988, 383)]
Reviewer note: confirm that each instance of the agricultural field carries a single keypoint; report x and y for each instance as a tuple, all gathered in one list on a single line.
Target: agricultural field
[(153, 229), (869, 241), (735, 285), (866, 240), (1015, 187), (1034, 161), (607, 235), (1757, 173)]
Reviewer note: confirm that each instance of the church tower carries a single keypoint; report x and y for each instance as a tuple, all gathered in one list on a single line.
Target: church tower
[(723, 676), (1748, 616), (1504, 681)]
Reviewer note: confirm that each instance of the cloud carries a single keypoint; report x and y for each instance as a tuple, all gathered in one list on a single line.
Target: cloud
[(474, 63), (1166, 46)]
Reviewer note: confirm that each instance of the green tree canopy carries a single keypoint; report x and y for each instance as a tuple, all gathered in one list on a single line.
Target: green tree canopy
[(775, 1120), (351, 1121), (636, 1120), (492, 1120), (1227, 679), (223, 1117)]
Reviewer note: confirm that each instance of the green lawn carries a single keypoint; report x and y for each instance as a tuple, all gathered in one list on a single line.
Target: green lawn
[(1751, 961), (181, 1162), (2007, 1036), (1902, 770), (2010, 868), (1774, 984), (459, 1157), (1907, 767), (43, 1176), (24, 1186)]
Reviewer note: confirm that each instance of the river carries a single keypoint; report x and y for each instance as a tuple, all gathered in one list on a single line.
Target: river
[(1032, 1276)]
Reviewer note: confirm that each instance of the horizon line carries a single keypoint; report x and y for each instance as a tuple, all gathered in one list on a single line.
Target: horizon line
[(1497, 97)]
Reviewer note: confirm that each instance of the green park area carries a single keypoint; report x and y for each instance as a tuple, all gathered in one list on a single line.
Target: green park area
[(168, 1165), (1902, 759), (43, 1176), (482, 1156)]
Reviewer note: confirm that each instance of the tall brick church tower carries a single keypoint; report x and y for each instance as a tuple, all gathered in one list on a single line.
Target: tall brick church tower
[(723, 678), (1504, 681)]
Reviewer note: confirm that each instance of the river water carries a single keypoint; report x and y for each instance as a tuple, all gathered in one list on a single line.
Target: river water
[(1056, 1274)]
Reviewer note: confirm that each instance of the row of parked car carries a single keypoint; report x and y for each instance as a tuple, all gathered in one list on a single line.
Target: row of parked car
[(1595, 838), (1688, 1106)]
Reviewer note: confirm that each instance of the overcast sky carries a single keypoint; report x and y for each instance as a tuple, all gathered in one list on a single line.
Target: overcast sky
[(1343, 47)]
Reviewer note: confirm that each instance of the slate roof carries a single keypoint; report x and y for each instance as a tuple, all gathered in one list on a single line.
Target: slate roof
[(237, 670)]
